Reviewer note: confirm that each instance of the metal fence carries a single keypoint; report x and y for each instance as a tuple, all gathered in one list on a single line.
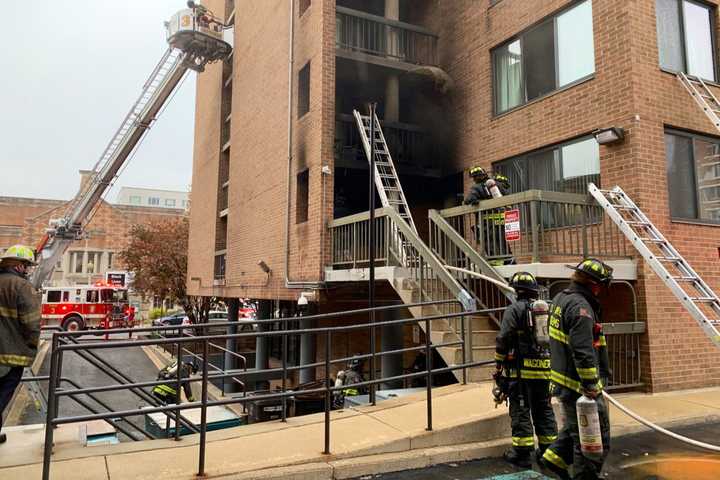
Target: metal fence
[(64, 343), (379, 36), (551, 224)]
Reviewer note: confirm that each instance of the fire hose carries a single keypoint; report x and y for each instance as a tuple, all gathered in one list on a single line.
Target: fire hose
[(659, 429)]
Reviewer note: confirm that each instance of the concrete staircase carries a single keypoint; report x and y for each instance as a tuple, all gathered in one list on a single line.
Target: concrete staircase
[(442, 331)]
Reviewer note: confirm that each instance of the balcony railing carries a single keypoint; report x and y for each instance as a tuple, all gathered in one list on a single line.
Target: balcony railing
[(410, 146), (552, 227), (378, 36)]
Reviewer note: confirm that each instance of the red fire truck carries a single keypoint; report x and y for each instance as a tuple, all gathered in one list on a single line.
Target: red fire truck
[(81, 307)]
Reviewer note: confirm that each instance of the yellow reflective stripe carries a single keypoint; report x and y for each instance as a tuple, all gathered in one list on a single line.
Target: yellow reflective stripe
[(500, 357), (547, 439), (15, 360), (523, 441), (603, 342), (587, 373), (558, 335), (8, 312), (165, 388), (351, 392), (555, 459), (560, 379), (535, 374)]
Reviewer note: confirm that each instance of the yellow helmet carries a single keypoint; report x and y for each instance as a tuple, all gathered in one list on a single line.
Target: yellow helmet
[(478, 172), (19, 252)]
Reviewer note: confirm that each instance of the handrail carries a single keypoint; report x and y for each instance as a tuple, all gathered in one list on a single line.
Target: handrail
[(520, 197), (383, 20), (432, 261)]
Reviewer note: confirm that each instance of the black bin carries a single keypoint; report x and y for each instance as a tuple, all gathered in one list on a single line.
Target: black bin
[(307, 403), (264, 410)]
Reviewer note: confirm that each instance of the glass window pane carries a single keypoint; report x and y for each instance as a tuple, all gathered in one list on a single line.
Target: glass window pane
[(699, 40), (669, 35), (539, 45), (580, 165), (507, 63), (681, 181), (707, 169), (517, 172), (543, 170), (576, 52)]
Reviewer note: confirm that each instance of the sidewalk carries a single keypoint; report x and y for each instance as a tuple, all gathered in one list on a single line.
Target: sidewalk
[(368, 440)]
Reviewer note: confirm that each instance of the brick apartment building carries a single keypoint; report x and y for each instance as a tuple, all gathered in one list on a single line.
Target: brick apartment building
[(514, 86), (24, 220)]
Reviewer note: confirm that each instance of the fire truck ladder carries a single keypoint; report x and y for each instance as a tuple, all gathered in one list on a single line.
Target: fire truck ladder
[(386, 178), (667, 263), (702, 95)]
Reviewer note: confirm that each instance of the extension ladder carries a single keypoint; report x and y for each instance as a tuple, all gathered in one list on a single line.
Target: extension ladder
[(702, 95), (667, 263), (386, 178)]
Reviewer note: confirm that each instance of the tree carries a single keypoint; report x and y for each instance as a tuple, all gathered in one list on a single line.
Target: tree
[(157, 255)]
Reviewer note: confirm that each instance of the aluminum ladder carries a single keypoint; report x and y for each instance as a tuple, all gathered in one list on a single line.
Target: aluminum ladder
[(386, 178), (702, 95), (667, 263)]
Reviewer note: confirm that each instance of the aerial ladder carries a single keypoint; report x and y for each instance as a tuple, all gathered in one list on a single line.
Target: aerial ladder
[(195, 38)]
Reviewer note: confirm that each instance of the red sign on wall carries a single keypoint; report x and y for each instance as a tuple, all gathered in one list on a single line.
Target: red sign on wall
[(512, 225)]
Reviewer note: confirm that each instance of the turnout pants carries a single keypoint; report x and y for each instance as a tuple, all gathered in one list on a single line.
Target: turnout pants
[(530, 406), (565, 451), (8, 383)]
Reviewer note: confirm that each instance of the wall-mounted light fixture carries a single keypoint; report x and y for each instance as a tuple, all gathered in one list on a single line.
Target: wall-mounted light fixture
[(607, 136), (264, 267)]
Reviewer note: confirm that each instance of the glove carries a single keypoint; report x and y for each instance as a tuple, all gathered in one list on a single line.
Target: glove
[(591, 392), (498, 371)]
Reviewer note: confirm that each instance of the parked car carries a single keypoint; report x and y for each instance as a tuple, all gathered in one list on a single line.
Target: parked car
[(170, 320)]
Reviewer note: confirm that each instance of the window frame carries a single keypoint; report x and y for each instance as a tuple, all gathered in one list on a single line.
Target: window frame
[(135, 199), (520, 36), (692, 136), (713, 39), (304, 100), (302, 196), (154, 201)]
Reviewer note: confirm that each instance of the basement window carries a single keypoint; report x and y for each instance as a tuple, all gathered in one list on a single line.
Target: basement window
[(304, 90), (302, 196)]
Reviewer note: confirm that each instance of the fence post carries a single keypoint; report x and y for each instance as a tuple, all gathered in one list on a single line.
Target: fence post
[(203, 411), (534, 225), (284, 369), (428, 376), (177, 389), (328, 345), (52, 407), (584, 231), (464, 348)]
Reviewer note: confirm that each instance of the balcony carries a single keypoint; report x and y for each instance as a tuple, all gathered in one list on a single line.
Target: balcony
[(411, 147), (365, 37)]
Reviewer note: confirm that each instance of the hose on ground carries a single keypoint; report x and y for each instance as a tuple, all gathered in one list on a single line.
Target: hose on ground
[(659, 429)]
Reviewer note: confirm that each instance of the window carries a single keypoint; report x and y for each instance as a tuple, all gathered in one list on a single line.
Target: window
[(153, 201), (304, 90), (93, 262), (76, 262), (693, 176), (556, 53), (567, 167), (92, 296), (66, 296), (54, 296), (135, 199), (304, 5), (110, 260), (685, 37), (302, 195), (170, 202)]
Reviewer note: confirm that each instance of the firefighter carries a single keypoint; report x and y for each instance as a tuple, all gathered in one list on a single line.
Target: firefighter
[(478, 190), (578, 364), (503, 183), (19, 321), (526, 360), (167, 392)]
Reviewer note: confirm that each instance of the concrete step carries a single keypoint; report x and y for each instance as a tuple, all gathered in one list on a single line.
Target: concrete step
[(484, 337), (481, 338), (482, 322), (481, 374)]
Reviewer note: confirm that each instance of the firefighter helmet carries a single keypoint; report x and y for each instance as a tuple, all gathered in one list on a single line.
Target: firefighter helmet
[(478, 172), (502, 180), (524, 281), (597, 270), (19, 252)]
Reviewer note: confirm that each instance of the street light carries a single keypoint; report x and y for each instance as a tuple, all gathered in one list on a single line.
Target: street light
[(607, 136)]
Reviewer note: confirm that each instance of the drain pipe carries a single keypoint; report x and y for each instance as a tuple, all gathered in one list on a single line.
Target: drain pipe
[(659, 429), (291, 77)]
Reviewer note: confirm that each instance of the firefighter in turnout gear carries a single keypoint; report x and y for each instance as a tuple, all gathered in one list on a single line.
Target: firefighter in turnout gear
[(478, 190), (522, 353), (166, 392), (579, 366)]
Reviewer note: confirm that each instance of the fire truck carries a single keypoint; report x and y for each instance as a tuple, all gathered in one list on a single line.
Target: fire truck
[(86, 307)]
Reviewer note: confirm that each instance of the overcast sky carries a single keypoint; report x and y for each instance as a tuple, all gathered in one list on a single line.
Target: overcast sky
[(70, 71)]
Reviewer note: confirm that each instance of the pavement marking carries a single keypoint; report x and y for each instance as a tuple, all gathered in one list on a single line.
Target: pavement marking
[(526, 475)]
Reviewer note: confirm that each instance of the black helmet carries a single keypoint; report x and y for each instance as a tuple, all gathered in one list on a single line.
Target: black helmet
[(596, 269), (524, 281), (478, 172)]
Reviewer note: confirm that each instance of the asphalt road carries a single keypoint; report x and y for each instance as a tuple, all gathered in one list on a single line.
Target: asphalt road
[(131, 361), (644, 456)]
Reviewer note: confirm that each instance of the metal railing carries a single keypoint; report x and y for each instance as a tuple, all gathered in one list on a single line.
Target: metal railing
[(379, 36), (410, 145), (64, 343), (553, 226)]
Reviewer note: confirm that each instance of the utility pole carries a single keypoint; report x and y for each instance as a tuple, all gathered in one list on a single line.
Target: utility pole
[(371, 248)]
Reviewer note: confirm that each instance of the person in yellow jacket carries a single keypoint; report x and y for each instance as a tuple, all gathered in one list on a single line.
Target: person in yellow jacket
[(19, 321)]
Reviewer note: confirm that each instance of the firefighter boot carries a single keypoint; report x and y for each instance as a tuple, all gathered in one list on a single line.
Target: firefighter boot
[(3, 438), (558, 472), (519, 458)]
